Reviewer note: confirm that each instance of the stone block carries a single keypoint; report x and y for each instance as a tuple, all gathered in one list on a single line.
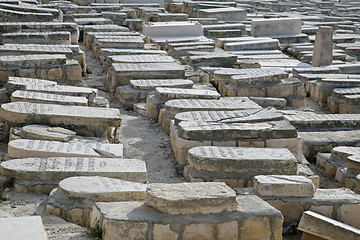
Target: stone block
[(190, 198)]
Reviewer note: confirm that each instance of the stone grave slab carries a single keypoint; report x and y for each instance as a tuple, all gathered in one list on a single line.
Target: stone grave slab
[(190, 198), (236, 166), (75, 196), (121, 73), (226, 131), (151, 84), (168, 29), (317, 226), (74, 117), (62, 38), (279, 26), (48, 133), (227, 104), (284, 186), (23, 148), (44, 174), (28, 227), (123, 215), (165, 94), (223, 14), (271, 44), (37, 97), (247, 115)]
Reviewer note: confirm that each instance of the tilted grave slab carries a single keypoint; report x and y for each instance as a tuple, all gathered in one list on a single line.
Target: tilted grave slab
[(37, 97), (138, 90), (105, 52), (75, 196), (125, 215), (271, 27), (51, 87), (121, 73), (236, 166), (44, 174), (24, 16), (315, 225), (89, 37), (126, 42), (271, 44), (172, 107), (155, 103), (85, 120)]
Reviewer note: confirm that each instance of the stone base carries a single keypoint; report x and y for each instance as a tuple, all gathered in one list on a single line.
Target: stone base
[(133, 220)]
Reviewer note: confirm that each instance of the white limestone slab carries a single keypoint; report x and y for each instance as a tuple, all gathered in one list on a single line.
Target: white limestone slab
[(48, 133), (58, 168), (102, 189), (24, 148), (275, 26), (171, 29), (150, 84)]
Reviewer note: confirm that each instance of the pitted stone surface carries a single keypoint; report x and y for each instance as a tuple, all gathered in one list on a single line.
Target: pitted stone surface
[(58, 168), (24, 148), (102, 189), (249, 161), (178, 93), (29, 227), (284, 186), (190, 198)]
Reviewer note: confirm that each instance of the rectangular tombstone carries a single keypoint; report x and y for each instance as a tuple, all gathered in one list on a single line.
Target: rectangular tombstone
[(24, 148), (37, 97), (58, 168), (42, 27), (323, 49), (88, 120), (278, 26), (227, 104), (124, 72), (235, 131), (62, 38), (151, 84), (236, 116), (324, 121), (165, 94), (141, 59), (31, 60), (224, 14), (28, 227), (22, 49), (135, 42), (284, 186), (272, 44), (171, 29)]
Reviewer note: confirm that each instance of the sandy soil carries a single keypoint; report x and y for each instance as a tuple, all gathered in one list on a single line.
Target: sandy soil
[(142, 138)]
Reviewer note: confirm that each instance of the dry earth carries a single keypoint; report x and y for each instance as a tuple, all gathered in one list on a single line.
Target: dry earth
[(142, 138)]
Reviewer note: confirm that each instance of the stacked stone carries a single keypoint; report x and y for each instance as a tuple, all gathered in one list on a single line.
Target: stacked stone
[(342, 164)]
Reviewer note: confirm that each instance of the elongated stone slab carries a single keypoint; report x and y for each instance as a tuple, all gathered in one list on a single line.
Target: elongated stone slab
[(234, 131), (151, 70), (28, 227), (248, 115), (165, 94), (24, 112), (190, 198), (323, 227), (48, 133), (102, 189), (141, 59), (184, 105), (58, 168), (24, 148), (245, 161), (275, 26), (38, 97), (324, 121), (284, 186), (151, 84)]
